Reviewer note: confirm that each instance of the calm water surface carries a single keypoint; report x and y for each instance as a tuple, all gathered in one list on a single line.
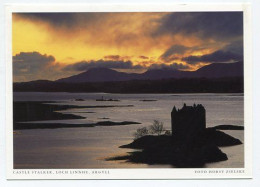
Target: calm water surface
[(87, 147)]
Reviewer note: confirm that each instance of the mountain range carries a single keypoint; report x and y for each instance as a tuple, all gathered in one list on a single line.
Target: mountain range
[(214, 78), (215, 70)]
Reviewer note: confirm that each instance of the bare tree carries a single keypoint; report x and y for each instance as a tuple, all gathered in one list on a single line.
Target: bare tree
[(157, 127), (141, 132)]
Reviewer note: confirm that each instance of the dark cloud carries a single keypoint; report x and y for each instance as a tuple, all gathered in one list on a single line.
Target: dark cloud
[(175, 50), (235, 47), (173, 66), (218, 25), (85, 65), (53, 18), (144, 57), (32, 66), (215, 57), (112, 57), (231, 52), (117, 58), (30, 62), (170, 53), (67, 20)]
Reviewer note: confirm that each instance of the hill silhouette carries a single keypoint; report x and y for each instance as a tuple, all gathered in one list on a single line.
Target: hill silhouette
[(216, 70), (99, 75), (214, 78)]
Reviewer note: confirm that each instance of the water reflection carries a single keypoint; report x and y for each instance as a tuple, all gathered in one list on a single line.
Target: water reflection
[(86, 147)]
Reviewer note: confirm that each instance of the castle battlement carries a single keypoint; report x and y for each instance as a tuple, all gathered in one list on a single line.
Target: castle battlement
[(188, 120)]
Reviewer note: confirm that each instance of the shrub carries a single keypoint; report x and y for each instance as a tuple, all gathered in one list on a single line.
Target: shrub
[(141, 132), (157, 127)]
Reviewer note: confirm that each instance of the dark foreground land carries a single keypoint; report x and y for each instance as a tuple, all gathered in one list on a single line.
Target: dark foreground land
[(26, 112), (193, 152)]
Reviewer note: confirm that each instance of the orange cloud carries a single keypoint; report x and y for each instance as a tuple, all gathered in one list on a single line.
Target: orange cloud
[(144, 38), (124, 34)]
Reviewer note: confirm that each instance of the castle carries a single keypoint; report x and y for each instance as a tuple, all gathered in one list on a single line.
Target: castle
[(188, 120)]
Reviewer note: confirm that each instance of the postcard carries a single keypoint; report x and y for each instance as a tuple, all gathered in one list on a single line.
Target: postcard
[(129, 92)]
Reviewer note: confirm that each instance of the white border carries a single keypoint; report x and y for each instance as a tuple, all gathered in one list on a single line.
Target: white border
[(133, 173)]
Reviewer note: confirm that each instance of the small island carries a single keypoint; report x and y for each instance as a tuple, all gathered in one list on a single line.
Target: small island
[(190, 144), (103, 99), (148, 100), (79, 99)]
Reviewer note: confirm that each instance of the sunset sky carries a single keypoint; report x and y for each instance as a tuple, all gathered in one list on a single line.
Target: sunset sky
[(56, 45)]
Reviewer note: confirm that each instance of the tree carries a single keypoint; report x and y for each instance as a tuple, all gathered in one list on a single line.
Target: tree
[(157, 127), (141, 132)]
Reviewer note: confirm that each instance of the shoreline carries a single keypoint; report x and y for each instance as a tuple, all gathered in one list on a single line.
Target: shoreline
[(33, 110), (29, 111), (27, 126), (169, 149)]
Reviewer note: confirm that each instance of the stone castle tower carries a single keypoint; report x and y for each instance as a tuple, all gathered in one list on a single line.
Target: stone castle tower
[(188, 120)]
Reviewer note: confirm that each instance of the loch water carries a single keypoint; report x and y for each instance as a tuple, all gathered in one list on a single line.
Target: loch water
[(88, 147)]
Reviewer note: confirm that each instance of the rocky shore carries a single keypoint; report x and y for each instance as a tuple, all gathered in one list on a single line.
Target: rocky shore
[(196, 151)]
